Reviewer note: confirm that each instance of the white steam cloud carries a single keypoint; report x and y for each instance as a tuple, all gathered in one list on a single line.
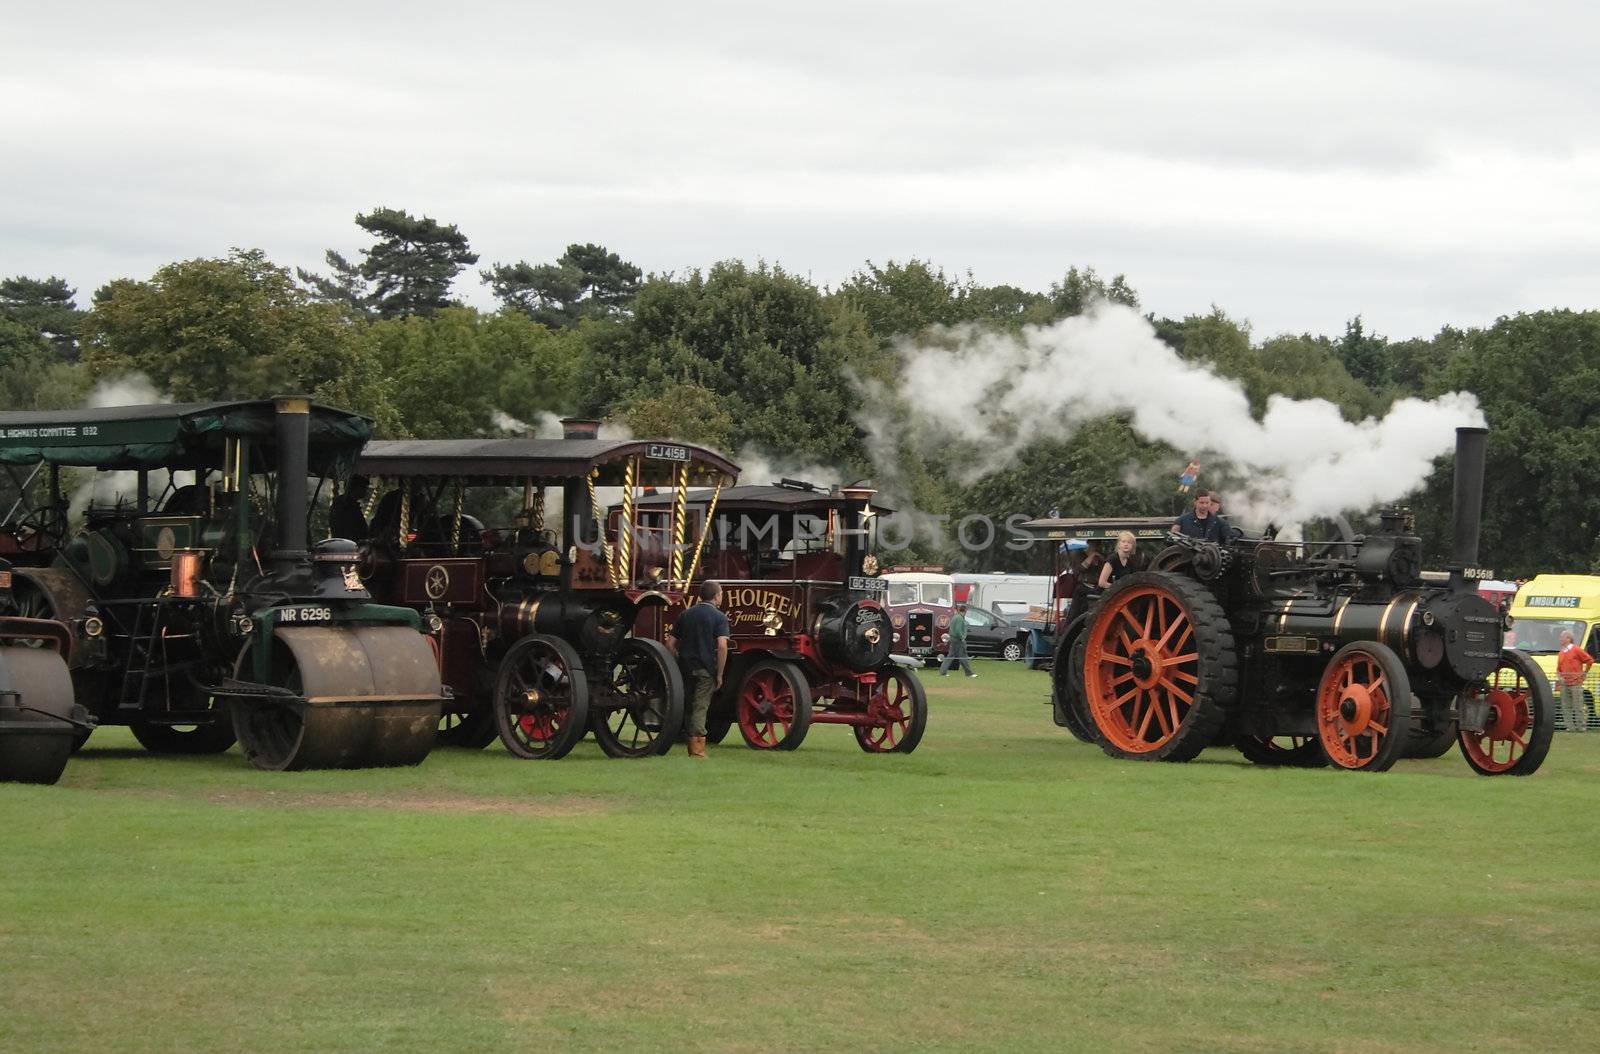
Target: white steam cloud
[(130, 389), (1302, 459)]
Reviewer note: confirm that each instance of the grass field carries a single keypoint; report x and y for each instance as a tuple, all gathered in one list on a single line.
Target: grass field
[(1003, 888)]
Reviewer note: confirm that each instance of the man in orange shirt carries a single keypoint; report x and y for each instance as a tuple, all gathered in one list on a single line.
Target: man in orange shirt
[(1572, 662)]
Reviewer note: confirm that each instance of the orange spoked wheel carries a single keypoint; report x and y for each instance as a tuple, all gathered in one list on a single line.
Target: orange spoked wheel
[(541, 699), (1521, 720), (1159, 668), (1300, 752), (1364, 708)]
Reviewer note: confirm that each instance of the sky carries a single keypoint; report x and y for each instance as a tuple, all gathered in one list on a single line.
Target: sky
[(1294, 164)]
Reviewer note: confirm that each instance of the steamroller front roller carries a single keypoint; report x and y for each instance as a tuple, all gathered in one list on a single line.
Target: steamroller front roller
[(352, 697), (39, 722)]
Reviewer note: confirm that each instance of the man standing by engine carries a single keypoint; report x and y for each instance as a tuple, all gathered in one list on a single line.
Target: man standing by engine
[(1199, 524), (700, 641), (1572, 663)]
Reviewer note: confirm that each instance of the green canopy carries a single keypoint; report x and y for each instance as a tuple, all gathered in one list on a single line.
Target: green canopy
[(173, 436)]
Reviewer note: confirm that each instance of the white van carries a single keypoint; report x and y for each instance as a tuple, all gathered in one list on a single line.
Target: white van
[(1004, 593)]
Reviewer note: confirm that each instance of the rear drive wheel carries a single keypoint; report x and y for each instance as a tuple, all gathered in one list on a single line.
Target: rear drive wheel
[(774, 706), (541, 699), (1159, 668), (1299, 752), (641, 712)]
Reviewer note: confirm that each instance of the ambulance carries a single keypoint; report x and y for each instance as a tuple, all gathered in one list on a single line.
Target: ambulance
[(1544, 607)]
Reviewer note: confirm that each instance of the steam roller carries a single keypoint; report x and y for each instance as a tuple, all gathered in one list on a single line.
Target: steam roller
[(39, 722), (338, 697)]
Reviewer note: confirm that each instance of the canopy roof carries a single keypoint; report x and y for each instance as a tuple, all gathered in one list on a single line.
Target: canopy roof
[(772, 498), (172, 435), (491, 461)]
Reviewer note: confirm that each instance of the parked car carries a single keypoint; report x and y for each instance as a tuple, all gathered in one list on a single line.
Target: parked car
[(996, 635)]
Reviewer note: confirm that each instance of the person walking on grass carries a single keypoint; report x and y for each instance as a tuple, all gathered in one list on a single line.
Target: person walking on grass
[(1572, 663), (958, 644), (700, 641)]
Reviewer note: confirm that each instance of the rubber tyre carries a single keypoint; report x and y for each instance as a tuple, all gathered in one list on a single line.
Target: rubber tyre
[(1542, 727), (717, 726), (509, 726), (672, 716), (1215, 672), (1391, 745), (1011, 651), (790, 679), (1066, 689), (1424, 744), (917, 697)]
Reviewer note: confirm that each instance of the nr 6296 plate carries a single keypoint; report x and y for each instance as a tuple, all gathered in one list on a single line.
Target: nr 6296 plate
[(307, 614)]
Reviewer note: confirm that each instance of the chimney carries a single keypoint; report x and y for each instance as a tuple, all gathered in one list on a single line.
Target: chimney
[(293, 433), (1470, 444), (579, 428)]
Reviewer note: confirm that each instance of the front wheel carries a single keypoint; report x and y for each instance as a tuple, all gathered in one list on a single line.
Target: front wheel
[(1295, 752), (774, 706), (1522, 720), (902, 704), (1364, 708), (541, 699)]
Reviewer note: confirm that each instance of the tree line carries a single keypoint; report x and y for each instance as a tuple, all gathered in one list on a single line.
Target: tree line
[(752, 358)]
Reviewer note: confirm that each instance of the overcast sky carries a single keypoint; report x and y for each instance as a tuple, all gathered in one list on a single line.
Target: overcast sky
[(1294, 164)]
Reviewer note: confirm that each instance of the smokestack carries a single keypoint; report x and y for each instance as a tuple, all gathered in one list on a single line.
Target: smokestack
[(1470, 443), (294, 440), (579, 428)]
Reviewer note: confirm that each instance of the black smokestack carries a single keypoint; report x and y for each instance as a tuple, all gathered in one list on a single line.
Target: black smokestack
[(294, 438), (1470, 444), (580, 428)]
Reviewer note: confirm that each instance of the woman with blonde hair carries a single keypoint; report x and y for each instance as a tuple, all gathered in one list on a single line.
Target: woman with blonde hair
[(1124, 560)]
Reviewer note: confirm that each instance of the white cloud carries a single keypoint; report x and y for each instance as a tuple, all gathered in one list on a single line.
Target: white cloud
[(1295, 165)]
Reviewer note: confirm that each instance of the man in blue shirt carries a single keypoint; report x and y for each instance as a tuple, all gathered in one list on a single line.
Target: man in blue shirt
[(1199, 523), (700, 641)]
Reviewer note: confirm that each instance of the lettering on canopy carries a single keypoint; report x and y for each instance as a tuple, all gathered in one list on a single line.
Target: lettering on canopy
[(52, 432)]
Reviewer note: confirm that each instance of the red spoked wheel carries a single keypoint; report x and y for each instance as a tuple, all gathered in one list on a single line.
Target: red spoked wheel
[(1300, 752), (541, 699), (1364, 708), (1158, 668), (1521, 722), (774, 705), (903, 707)]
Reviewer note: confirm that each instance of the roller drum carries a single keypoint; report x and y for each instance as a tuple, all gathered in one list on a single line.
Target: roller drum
[(37, 715), (333, 669)]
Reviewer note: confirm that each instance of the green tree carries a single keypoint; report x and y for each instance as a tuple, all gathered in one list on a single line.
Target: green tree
[(235, 327), (1078, 289), (1537, 378), (761, 338), (587, 281), (1365, 355), (450, 374), (46, 305), (407, 271), (685, 412)]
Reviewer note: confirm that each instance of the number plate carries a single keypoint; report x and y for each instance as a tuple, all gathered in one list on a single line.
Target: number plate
[(667, 452), (307, 615), (858, 584), (921, 651)]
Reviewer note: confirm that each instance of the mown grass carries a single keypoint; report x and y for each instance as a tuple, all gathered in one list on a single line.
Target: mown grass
[(1003, 888)]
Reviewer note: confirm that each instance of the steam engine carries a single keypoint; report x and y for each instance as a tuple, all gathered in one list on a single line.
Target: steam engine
[(1307, 654)]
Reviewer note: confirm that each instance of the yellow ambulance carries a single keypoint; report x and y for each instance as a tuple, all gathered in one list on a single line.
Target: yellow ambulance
[(1544, 607)]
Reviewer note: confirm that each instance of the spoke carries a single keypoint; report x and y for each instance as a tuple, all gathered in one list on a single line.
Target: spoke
[(1145, 722), (1185, 674), (1161, 715), (1122, 700), (1120, 660), (1150, 617), (1131, 620), (1177, 693), (1176, 659)]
